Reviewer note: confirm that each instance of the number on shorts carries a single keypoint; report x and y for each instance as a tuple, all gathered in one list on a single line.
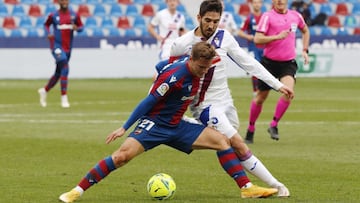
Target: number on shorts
[(146, 124)]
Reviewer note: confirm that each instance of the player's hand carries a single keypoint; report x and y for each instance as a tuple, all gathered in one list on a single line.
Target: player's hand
[(283, 34), (75, 27), (50, 37), (306, 57), (114, 135), (289, 93)]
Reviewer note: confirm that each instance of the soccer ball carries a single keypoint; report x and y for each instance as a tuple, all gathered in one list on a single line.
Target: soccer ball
[(161, 186)]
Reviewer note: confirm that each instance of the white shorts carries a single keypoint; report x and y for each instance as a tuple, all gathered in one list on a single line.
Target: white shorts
[(223, 118)]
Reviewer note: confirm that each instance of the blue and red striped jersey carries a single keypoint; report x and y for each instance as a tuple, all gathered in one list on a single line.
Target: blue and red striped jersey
[(62, 28)]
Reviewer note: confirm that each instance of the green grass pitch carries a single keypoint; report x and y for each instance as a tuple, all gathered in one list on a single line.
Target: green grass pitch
[(46, 151)]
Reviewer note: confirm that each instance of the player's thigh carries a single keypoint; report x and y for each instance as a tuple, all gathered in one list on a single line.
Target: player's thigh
[(210, 138), (215, 117)]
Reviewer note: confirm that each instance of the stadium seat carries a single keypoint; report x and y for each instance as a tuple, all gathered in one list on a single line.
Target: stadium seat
[(161, 6), (18, 10), (113, 32), (325, 31), (342, 31), (142, 2), (130, 33), (244, 9), (123, 22), (126, 2), (45, 2), (356, 9), (148, 10), (28, 2), (39, 23), (350, 21), (13, 2), (91, 22), (333, 21), (16, 33), (115, 10), (106, 22), (356, 31), (189, 23), (97, 32), (109, 2), (181, 8), (92, 2), (312, 30), (131, 10), (2, 32), (49, 8), (145, 32), (139, 22), (341, 9), (77, 2), (238, 1), (34, 10), (229, 7), (326, 8), (84, 10), (32, 32), (25, 22), (320, 1), (3, 10), (99, 10), (238, 20), (9, 22)]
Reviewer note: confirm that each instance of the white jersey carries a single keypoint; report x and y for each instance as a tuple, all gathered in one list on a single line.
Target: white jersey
[(168, 27), (227, 22), (214, 85)]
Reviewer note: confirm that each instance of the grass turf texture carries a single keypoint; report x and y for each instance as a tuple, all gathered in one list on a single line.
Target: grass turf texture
[(46, 151)]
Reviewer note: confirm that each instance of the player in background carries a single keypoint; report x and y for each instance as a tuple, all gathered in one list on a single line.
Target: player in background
[(167, 25), (213, 105), (59, 27), (277, 32), (160, 122), (247, 32), (227, 21)]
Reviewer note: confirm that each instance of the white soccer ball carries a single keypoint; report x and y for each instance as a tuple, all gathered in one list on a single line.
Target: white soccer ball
[(161, 186)]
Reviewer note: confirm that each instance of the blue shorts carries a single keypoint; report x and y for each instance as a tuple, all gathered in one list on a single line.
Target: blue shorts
[(181, 137)]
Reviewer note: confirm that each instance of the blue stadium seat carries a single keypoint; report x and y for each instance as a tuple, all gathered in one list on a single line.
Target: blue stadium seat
[(107, 21), (229, 7), (326, 8), (145, 32), (94, 2), (130, 33), (49, 8), (139, 21), (28, 2), (99, 10), (312, 30), (97, 32), (91, 22), (189, 23), (115, 10), (113, 31), (3, 10), (39, 23), (18, 10), (111, 2), (32, 32), (161, 6), (238, 20), (356, 9), (25, 22), (325, 31), (142, 2), (2, 32), (181, 8), (45, 2), (342, 32), (84, 33), (16, 33), (78, 2), (131, 10)]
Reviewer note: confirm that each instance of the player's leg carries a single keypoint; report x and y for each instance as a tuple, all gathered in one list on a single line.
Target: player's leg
[(213, 139), (255, 109), (127, 151), (281, 106), (64, 84), (50, 84)]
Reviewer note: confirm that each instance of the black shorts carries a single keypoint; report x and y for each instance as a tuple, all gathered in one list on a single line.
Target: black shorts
[(278, 69)]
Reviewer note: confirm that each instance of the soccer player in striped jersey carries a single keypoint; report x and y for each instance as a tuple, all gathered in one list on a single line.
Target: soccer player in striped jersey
[(60, 27), (213, 105), (160, 122)]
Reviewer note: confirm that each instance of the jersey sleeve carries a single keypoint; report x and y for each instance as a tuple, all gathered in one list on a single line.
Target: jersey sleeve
[(263, 23), (249, 63)]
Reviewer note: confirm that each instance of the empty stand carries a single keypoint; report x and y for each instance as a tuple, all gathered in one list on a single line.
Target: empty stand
[(25, 22), (113, 31), (356, 31), (106, 22), (115, 10), (14, 2), (125, 2), (130, 32), (139, 22), (18, 10), (49, 8), (326, 8), (16, 33), (356, 8), (342, 32), (131, 10), (91, 22), (99, 10), (350, 21), (325, 31), (4, 11)]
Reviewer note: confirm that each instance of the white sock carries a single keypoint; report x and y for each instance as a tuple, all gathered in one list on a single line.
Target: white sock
[(79, 189), (255, 167)]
